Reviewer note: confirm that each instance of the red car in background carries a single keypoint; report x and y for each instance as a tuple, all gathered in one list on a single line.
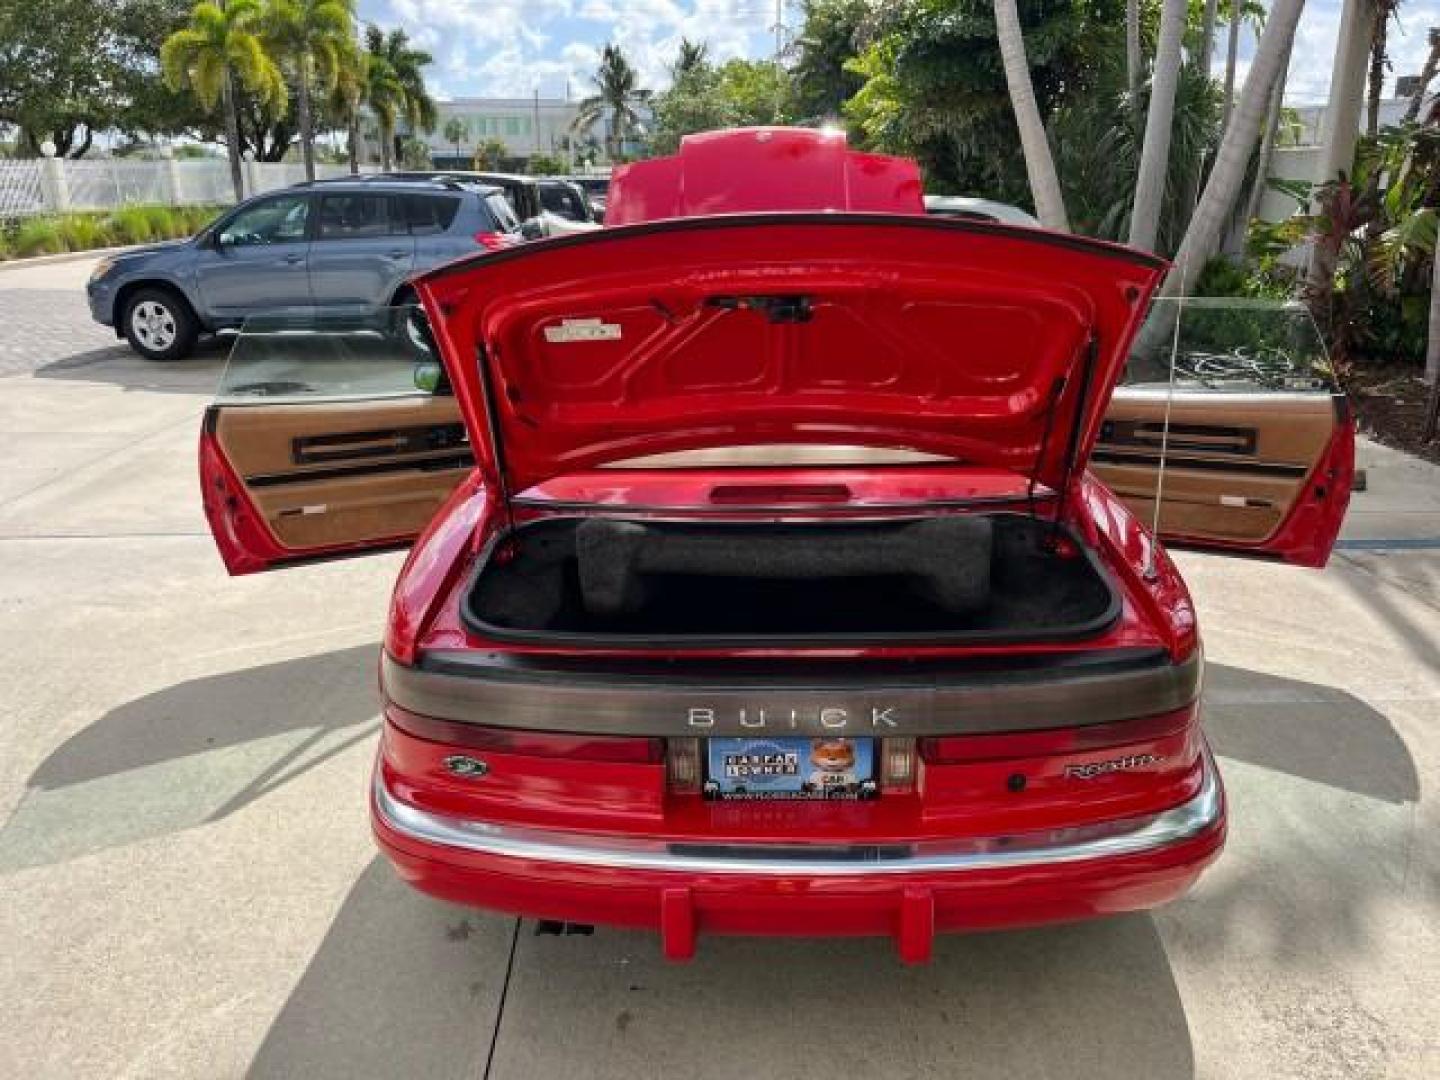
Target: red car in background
[(765, 581)]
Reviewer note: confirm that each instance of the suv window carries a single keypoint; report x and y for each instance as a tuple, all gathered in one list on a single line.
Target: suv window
[(424, 215), (563, 200), (354, 216), (502, 212), (275, 221)]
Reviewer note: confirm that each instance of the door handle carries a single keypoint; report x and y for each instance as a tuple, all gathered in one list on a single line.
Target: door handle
[(399, 254), (294, 259)]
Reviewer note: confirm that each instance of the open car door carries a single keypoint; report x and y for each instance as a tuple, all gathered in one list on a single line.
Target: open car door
[(1258, 442), (320, 443)]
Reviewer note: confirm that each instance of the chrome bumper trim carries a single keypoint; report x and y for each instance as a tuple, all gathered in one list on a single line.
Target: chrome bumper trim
[(1129, 836)]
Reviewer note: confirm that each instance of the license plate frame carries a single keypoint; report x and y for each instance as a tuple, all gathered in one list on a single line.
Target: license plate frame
[(786, 769)]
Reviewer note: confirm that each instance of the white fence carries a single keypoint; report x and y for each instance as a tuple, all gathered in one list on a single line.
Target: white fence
[(51, 185)]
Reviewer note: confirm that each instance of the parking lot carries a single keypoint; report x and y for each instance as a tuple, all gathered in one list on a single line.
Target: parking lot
[(188, 885)]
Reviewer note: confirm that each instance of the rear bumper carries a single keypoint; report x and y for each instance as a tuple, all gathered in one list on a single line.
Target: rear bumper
[(909, 892)]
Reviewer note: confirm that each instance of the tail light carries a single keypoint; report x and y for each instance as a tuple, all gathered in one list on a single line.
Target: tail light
[(897, 765), (493, 241), (633, 750), (957, 749)]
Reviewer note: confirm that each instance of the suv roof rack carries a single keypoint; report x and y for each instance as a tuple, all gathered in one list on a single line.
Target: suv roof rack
[(441, 181)]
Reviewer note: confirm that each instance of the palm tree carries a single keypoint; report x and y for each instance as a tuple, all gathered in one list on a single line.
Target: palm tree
[(401, 85), (1207, 36), (1039, 165), (457, 131), (1342, 125), (1133, 59), (217, 47), (1228, 174), (1232, 51), (1155, 151), (313, 37), (617, 93), (1379, 61), (1427, 75), (692, 57), (347, 96)]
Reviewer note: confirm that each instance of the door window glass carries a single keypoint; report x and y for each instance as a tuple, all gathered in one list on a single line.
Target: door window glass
[(275, 221), (425, 215), (354, 217), (503, 213)]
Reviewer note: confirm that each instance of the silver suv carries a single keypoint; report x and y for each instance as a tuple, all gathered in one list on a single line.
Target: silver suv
[(342, 248)]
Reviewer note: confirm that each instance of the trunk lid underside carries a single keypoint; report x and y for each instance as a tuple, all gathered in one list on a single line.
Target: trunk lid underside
[(988, 345)]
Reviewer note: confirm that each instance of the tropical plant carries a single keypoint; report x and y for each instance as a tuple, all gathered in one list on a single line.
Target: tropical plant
[(395, 87), (618, 93), (932, 85), (314, 38), (828, 39), (347, 96), (456, 131), (489, 154), (219, 47), (1039, 164), (691, 57), (739, 93)]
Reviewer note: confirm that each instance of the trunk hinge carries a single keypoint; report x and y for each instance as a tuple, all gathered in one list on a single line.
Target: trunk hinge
[(492, 429), (1057, 390), (1082, 396)]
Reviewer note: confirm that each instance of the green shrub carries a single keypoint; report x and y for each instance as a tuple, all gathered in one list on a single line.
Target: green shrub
[(6, 247), (82, 232), (38, 236), (131, 226), (162, 221)]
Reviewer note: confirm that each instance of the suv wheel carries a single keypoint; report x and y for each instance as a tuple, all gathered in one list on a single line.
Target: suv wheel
[(159, 325)]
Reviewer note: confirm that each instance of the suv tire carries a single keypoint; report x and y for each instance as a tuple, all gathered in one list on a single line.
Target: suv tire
[(159, 325)]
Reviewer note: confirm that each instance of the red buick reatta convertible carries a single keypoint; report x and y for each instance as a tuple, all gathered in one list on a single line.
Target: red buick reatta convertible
[(784, 561)]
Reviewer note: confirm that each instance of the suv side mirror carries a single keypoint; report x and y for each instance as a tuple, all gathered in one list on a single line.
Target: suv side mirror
[(430, 377)]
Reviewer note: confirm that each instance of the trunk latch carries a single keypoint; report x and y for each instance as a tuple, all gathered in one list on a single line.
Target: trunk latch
[(776, 309)]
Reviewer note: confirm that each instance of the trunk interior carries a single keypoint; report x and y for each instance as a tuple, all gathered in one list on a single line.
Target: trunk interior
[(954, 578)]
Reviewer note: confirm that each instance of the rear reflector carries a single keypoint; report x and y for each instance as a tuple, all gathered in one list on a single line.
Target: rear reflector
[(954, 749), (635, 750), (493, 241), (682, 765)]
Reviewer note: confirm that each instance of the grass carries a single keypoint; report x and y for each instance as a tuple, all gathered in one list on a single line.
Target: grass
[(87, 230)]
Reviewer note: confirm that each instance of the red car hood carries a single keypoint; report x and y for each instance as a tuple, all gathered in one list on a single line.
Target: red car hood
[(991, 345)]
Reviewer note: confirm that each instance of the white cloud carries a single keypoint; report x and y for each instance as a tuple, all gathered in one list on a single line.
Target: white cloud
[(512, 47)]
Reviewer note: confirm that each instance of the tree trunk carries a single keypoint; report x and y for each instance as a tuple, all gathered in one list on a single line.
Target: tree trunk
[(354, 147), (1155, 151), (1207, 36), (387, 147), (1377, 73), (1267, 142), (1342, 120), (307, 122), (1232, 49), (1427, 73), (232, 135), (1228, 174), (1432, 347), (1039, 165), (1132, 52)]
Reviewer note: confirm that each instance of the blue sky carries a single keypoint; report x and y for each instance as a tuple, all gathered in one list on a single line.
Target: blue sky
[(513, 47)]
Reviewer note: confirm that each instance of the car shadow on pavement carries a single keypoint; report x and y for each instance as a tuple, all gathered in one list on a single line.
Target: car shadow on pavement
[(190, 753), (406, 986), (1308, 730), (119, 365)]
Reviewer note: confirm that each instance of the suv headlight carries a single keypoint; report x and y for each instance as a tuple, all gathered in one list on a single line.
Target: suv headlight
[(101, 269)]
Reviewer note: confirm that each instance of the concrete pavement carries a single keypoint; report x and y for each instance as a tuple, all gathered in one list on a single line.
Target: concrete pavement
[(188, 887)]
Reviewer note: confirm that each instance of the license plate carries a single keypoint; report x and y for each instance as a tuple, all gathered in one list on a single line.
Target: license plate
[(766, 768)]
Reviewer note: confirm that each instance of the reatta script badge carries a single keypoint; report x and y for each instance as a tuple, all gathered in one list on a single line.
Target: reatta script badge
[(831, 718)]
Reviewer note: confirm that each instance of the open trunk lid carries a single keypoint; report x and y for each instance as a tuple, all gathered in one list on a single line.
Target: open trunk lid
[(989, 345)]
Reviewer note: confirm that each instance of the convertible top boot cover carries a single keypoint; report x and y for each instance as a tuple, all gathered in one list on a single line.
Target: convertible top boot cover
[(621, 562)]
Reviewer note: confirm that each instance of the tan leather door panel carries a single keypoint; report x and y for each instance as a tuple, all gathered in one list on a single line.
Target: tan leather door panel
[(1236, 462), (332, 473)]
